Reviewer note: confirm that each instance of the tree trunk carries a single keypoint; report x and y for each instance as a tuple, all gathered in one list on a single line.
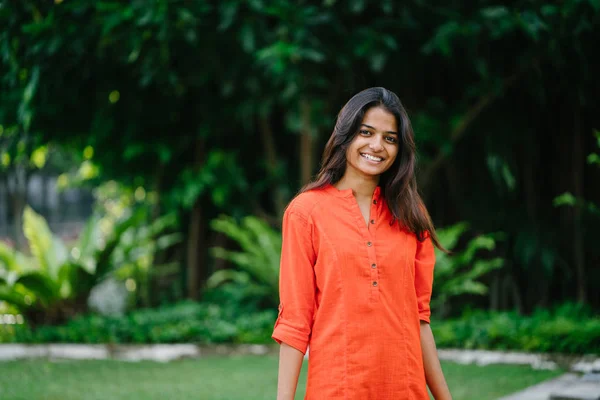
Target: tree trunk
[(195, 260), (18, 201), (306, 143), (158, 256), (578, 245), (272, 164), (533, 296), (455, 183), (513, 292), (195, 244), (495, 292), (219, 240)]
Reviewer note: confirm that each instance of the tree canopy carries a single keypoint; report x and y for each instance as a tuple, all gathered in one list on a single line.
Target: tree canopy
[(224, 107)]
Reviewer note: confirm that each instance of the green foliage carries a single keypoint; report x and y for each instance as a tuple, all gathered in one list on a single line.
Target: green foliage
[(49, 251), (257, 262), (186, 322), (18, 150), (220, 176), (568, 199), (9, 319), (483, 83), (594, 158), (55, 281), (569, 329), (255, 278), (459, 273), (39, 281)]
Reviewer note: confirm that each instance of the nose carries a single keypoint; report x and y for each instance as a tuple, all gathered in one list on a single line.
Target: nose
[(376, 143)]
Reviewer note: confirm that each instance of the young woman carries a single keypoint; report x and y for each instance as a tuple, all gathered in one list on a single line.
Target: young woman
[(357, 266)]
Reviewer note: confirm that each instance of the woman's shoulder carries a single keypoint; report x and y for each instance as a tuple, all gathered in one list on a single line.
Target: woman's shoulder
[(306, 203)]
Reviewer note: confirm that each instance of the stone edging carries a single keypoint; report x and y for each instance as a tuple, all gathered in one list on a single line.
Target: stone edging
[(155, 352), (586, 363), (169, 352)]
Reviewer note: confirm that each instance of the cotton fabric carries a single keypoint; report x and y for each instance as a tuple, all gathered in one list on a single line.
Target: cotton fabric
[(355, 295)]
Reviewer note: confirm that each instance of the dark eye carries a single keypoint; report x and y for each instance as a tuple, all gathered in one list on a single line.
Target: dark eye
[(364, 132), (391, 139)]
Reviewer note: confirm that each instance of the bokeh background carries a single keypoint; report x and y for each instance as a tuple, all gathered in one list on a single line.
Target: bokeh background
[(148, 150)]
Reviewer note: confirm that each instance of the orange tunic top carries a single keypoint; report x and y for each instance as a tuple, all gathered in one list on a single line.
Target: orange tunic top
[(354, 294)]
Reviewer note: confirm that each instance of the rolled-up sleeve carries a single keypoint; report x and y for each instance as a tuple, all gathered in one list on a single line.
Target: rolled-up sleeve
[(296, 283), (424, 263)]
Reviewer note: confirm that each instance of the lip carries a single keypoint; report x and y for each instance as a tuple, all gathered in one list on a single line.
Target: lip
[(372, 161)]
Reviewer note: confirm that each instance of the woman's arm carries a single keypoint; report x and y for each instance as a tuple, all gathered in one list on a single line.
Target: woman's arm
[(297, 298), (424, 265), (433, 370), (290, 363)]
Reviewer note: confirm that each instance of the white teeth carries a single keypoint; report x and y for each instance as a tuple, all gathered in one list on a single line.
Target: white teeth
[(370, 157)]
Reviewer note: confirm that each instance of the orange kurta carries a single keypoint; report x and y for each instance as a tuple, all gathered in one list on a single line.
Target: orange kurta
[(354, 294)]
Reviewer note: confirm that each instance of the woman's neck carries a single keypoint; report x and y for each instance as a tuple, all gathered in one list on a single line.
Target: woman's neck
[(362, 186)]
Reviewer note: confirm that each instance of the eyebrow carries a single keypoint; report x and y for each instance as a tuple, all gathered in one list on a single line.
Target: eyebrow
[(370, 127)]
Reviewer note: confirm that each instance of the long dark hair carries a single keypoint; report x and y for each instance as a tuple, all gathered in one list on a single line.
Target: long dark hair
[(398, 183)]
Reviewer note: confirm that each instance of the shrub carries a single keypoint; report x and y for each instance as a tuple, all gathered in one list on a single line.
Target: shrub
[(186, 322), (54, 283), (257, 263), (569, 329), (460, 273)]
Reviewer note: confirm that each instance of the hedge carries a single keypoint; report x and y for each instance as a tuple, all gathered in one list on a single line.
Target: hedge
[(186, 322), (570, 329)]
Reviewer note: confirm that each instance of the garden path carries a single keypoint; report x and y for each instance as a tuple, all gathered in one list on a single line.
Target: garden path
[(566, 387)]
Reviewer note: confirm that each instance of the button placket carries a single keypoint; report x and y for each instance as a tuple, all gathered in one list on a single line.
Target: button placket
[(367, 231), (374, 282)]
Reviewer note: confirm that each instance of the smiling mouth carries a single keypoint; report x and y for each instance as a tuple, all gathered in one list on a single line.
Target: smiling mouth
[(371, 158)]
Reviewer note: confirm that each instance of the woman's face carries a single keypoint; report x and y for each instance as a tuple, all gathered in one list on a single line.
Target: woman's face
[(375, 146)]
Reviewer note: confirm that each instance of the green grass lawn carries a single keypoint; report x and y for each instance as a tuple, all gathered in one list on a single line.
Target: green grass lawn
[(213, 378)]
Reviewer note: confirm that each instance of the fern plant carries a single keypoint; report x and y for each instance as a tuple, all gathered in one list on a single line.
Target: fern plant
[(257, 261), (53, 283), (255, 266), (459, 273)]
